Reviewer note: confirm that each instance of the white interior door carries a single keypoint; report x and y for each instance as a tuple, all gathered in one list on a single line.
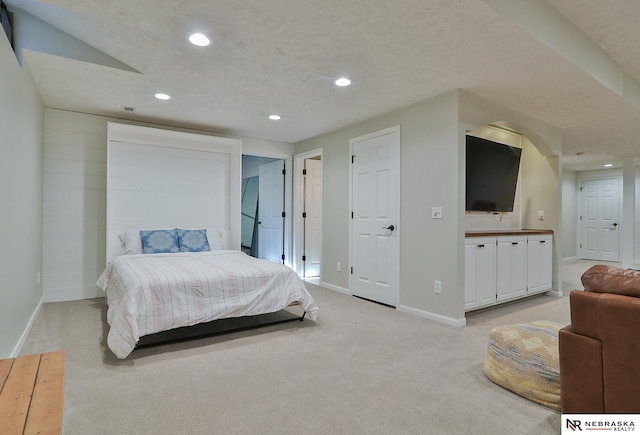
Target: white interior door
[(270, 211), (374, 232), (599, 219), (312, 218)]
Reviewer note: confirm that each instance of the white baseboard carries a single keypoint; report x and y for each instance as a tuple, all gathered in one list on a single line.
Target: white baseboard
[(570, 258), (27, 329), (432, 316), (335, 288)]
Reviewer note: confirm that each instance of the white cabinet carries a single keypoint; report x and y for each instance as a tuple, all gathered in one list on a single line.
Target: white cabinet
[(503, 268), (511, 267), (539, 264), (480, 272)]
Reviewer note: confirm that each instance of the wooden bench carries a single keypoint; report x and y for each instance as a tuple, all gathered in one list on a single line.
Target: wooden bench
[(31, 394)]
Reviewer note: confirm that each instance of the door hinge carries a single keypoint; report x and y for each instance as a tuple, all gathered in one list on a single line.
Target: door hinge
[(352, 271), (304, 172), (351, 215), (581, 189), (284, 172), (283, 214), (304, 258), (353, 158), (282, 257), (304, 215), (580, 217)]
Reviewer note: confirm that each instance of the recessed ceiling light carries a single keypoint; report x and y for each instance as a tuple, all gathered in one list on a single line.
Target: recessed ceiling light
[(274, 117), (608, 165), (161, 96), (199, 39), (343, 81)]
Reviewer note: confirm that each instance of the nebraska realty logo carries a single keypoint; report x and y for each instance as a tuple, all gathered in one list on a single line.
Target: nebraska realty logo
[(599, 422)]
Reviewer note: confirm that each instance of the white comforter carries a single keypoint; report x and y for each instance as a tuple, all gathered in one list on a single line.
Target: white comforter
[(152, 293)]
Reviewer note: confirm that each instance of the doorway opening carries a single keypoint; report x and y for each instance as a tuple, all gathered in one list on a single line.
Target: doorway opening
[(263, 214), (308, 214)]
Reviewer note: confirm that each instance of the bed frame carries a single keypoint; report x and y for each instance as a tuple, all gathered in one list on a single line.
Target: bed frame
[(220, 327)]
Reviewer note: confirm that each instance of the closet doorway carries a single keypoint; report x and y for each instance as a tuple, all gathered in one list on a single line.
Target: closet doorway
[(263, 207), (308, 212)]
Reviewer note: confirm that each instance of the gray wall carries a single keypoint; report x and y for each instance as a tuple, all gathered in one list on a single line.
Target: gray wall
[(21, 154), (429, 167), (432, 136)]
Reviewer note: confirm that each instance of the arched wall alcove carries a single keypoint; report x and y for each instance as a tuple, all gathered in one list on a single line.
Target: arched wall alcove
[(537, 201)]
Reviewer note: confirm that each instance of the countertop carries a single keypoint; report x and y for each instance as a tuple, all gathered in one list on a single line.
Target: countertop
[(494, 233)]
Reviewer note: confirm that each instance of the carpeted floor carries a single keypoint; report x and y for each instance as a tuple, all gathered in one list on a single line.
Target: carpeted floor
[(361, 368)]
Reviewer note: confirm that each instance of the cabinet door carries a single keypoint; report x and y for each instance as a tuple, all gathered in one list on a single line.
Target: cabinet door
[(511, 267), (470, 280), (480, 272), (540, 263)]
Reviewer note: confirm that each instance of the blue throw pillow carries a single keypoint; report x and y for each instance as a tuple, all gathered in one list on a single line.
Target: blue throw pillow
[(159, 241), (193, 240)]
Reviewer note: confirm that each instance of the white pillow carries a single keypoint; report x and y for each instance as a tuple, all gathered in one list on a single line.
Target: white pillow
[(215, 239), (130, 242)]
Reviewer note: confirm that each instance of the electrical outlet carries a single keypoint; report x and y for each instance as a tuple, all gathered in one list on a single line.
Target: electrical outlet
[(540, 215), (436, 212), (338, 267), (437, 287)]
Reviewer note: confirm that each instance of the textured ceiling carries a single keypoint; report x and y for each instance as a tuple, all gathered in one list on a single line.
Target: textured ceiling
[(281, 56)]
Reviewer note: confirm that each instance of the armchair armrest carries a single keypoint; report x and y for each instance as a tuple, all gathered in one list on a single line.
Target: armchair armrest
[(581, 374)]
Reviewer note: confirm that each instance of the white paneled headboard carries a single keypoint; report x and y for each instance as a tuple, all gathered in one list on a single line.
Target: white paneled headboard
[(162, 178)]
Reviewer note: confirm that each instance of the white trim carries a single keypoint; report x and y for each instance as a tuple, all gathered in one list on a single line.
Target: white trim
[(432, 316), (23, 338), (170, 138), (557, 293), (288, 199), (298, 195), (569, 258), (335, 288)]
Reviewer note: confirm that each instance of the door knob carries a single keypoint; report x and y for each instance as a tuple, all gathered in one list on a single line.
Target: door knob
[(390, 228)]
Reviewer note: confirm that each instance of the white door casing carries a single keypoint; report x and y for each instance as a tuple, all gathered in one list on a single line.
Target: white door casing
[(599, 219), (374, 239), (313, 218), (270, 209)]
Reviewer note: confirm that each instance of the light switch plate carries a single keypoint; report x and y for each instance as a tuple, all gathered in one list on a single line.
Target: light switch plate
[(436, 212)]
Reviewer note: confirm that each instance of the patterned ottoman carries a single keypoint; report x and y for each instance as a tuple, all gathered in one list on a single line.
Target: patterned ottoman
[(524, 359)]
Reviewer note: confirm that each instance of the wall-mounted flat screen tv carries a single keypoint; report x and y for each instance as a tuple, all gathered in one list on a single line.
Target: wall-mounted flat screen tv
[(492, 175)]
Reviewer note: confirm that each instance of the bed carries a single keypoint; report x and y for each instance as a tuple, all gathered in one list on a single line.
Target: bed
[(150, 293), (167, 193)]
